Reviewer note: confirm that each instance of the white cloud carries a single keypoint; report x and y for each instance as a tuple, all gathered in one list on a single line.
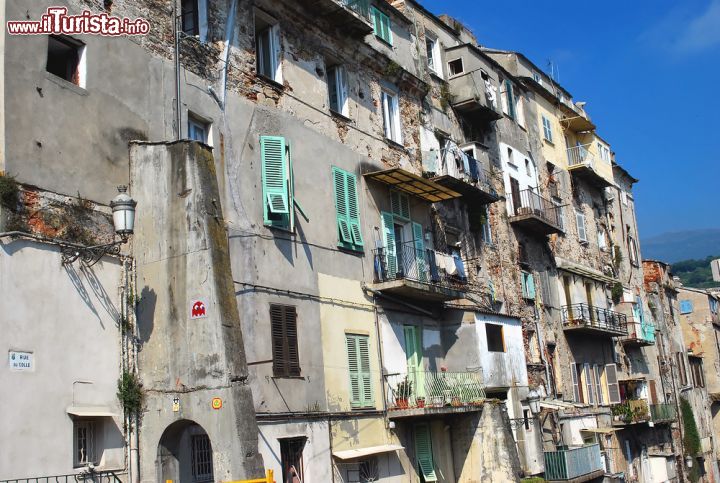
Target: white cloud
[(702, 32)]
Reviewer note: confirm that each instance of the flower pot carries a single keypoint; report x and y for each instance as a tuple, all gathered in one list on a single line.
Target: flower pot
[(421, 402), (401, 403)]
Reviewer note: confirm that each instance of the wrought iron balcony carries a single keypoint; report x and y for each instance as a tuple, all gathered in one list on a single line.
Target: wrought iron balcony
[(533, 212), (639, 333), (353, 16), (422, 393), (582, 162), (577, 464), (662, 413), (414, 272), (94, 476), (588, 318)]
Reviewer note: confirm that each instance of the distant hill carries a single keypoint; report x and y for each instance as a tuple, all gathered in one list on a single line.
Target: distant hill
[(682, 245), (695, 273)]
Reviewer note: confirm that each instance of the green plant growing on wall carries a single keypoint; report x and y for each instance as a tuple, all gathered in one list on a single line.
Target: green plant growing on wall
[(392, 69), (691, 438), (9, 191), (617, 257), (130, 393), (445, 96), (616, 292)]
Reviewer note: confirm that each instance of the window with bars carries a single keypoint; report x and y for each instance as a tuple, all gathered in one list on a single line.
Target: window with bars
[(201, 457), (291, 456), (283, 325), (84, 436)]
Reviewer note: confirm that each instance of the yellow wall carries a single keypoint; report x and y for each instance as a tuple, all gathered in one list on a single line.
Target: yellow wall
[(555, 152)]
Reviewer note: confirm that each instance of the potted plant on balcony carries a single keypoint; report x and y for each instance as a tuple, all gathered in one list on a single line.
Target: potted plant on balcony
[(420, 402), (403, 391)]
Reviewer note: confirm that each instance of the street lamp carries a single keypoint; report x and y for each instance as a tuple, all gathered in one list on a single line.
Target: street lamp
[(123, 210)]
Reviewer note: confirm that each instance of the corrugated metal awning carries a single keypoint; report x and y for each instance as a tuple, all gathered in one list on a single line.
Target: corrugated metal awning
[(361, 452), (413, 184), (91, 411), (583, 271), (599, 430)]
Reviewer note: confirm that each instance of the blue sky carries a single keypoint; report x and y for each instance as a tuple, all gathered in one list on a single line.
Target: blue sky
[(650, 73)]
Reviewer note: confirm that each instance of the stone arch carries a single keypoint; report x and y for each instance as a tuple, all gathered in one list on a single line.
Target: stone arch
[(184, 454)]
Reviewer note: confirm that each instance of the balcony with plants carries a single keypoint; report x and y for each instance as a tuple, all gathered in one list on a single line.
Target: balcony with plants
[(419, 393)]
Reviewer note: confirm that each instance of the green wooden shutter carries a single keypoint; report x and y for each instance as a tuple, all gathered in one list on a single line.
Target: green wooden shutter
[(400, 205), (366, 398), (354, 369), (358, 349), (510, 98), (423, 452), (353, 210), (275, 174), (388, 222), (420, 264), (375, 13), (386, 29), (341, 209), (530, 286), (414, 356)]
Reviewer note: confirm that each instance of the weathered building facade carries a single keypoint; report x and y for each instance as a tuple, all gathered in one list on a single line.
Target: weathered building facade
[(366, 249)]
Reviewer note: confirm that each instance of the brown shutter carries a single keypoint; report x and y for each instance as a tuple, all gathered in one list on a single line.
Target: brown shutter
[(283, 327)]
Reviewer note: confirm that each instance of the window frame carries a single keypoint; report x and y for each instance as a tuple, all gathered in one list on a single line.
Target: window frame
[(79, 68), (271, 28), (498, 337), (434, 54), (340, 85), (582, 233), (363, 371), (270, 188), (390, 106), (289, 451), (547, 129), (89, 425), (196, 123), (452, 72), (528, 285), (345, 186)]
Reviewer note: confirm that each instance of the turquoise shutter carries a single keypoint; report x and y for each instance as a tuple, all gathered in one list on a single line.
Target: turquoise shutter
[(530, 286), (275, 175), (358, 349), (387, 30), (366, 397), (388, 222), (341, 209), (400, 205), (423, 452), (414, 356), (354, 370), (376, 21), (686, 306), (420, 264), (353, 210), (510, 99)]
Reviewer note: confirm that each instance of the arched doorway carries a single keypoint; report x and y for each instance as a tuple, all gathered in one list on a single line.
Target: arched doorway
[(185, 454)]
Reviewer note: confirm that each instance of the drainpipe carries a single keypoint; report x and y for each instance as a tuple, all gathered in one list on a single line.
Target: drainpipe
[(229, 31), (176, 37)]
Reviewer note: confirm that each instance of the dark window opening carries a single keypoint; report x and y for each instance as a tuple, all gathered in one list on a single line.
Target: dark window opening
[(63, 59), (495, 340), (456, 67), (283, 325), (291, 457), (189, 17)]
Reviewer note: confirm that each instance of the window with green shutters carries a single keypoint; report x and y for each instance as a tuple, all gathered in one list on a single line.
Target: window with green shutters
[(347, 210), (528, 285), (509, 99), (382, 26), (358, 350), (423, 452), (277, 184)]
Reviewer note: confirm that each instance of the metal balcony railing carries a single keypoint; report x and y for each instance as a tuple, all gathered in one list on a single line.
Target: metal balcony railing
[(589, 316), (528, 202), (360, 7), (408, 262), (420, 389), (88, 477), (662, 412), (581, 156), (476, 176), (566, 464)]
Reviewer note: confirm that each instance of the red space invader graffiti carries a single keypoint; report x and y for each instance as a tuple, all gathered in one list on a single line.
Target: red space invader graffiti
[(197, 309)]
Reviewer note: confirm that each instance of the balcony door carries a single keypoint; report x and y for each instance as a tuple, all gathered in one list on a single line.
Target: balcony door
[(414, 356), (515, 193), (568, 299)]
